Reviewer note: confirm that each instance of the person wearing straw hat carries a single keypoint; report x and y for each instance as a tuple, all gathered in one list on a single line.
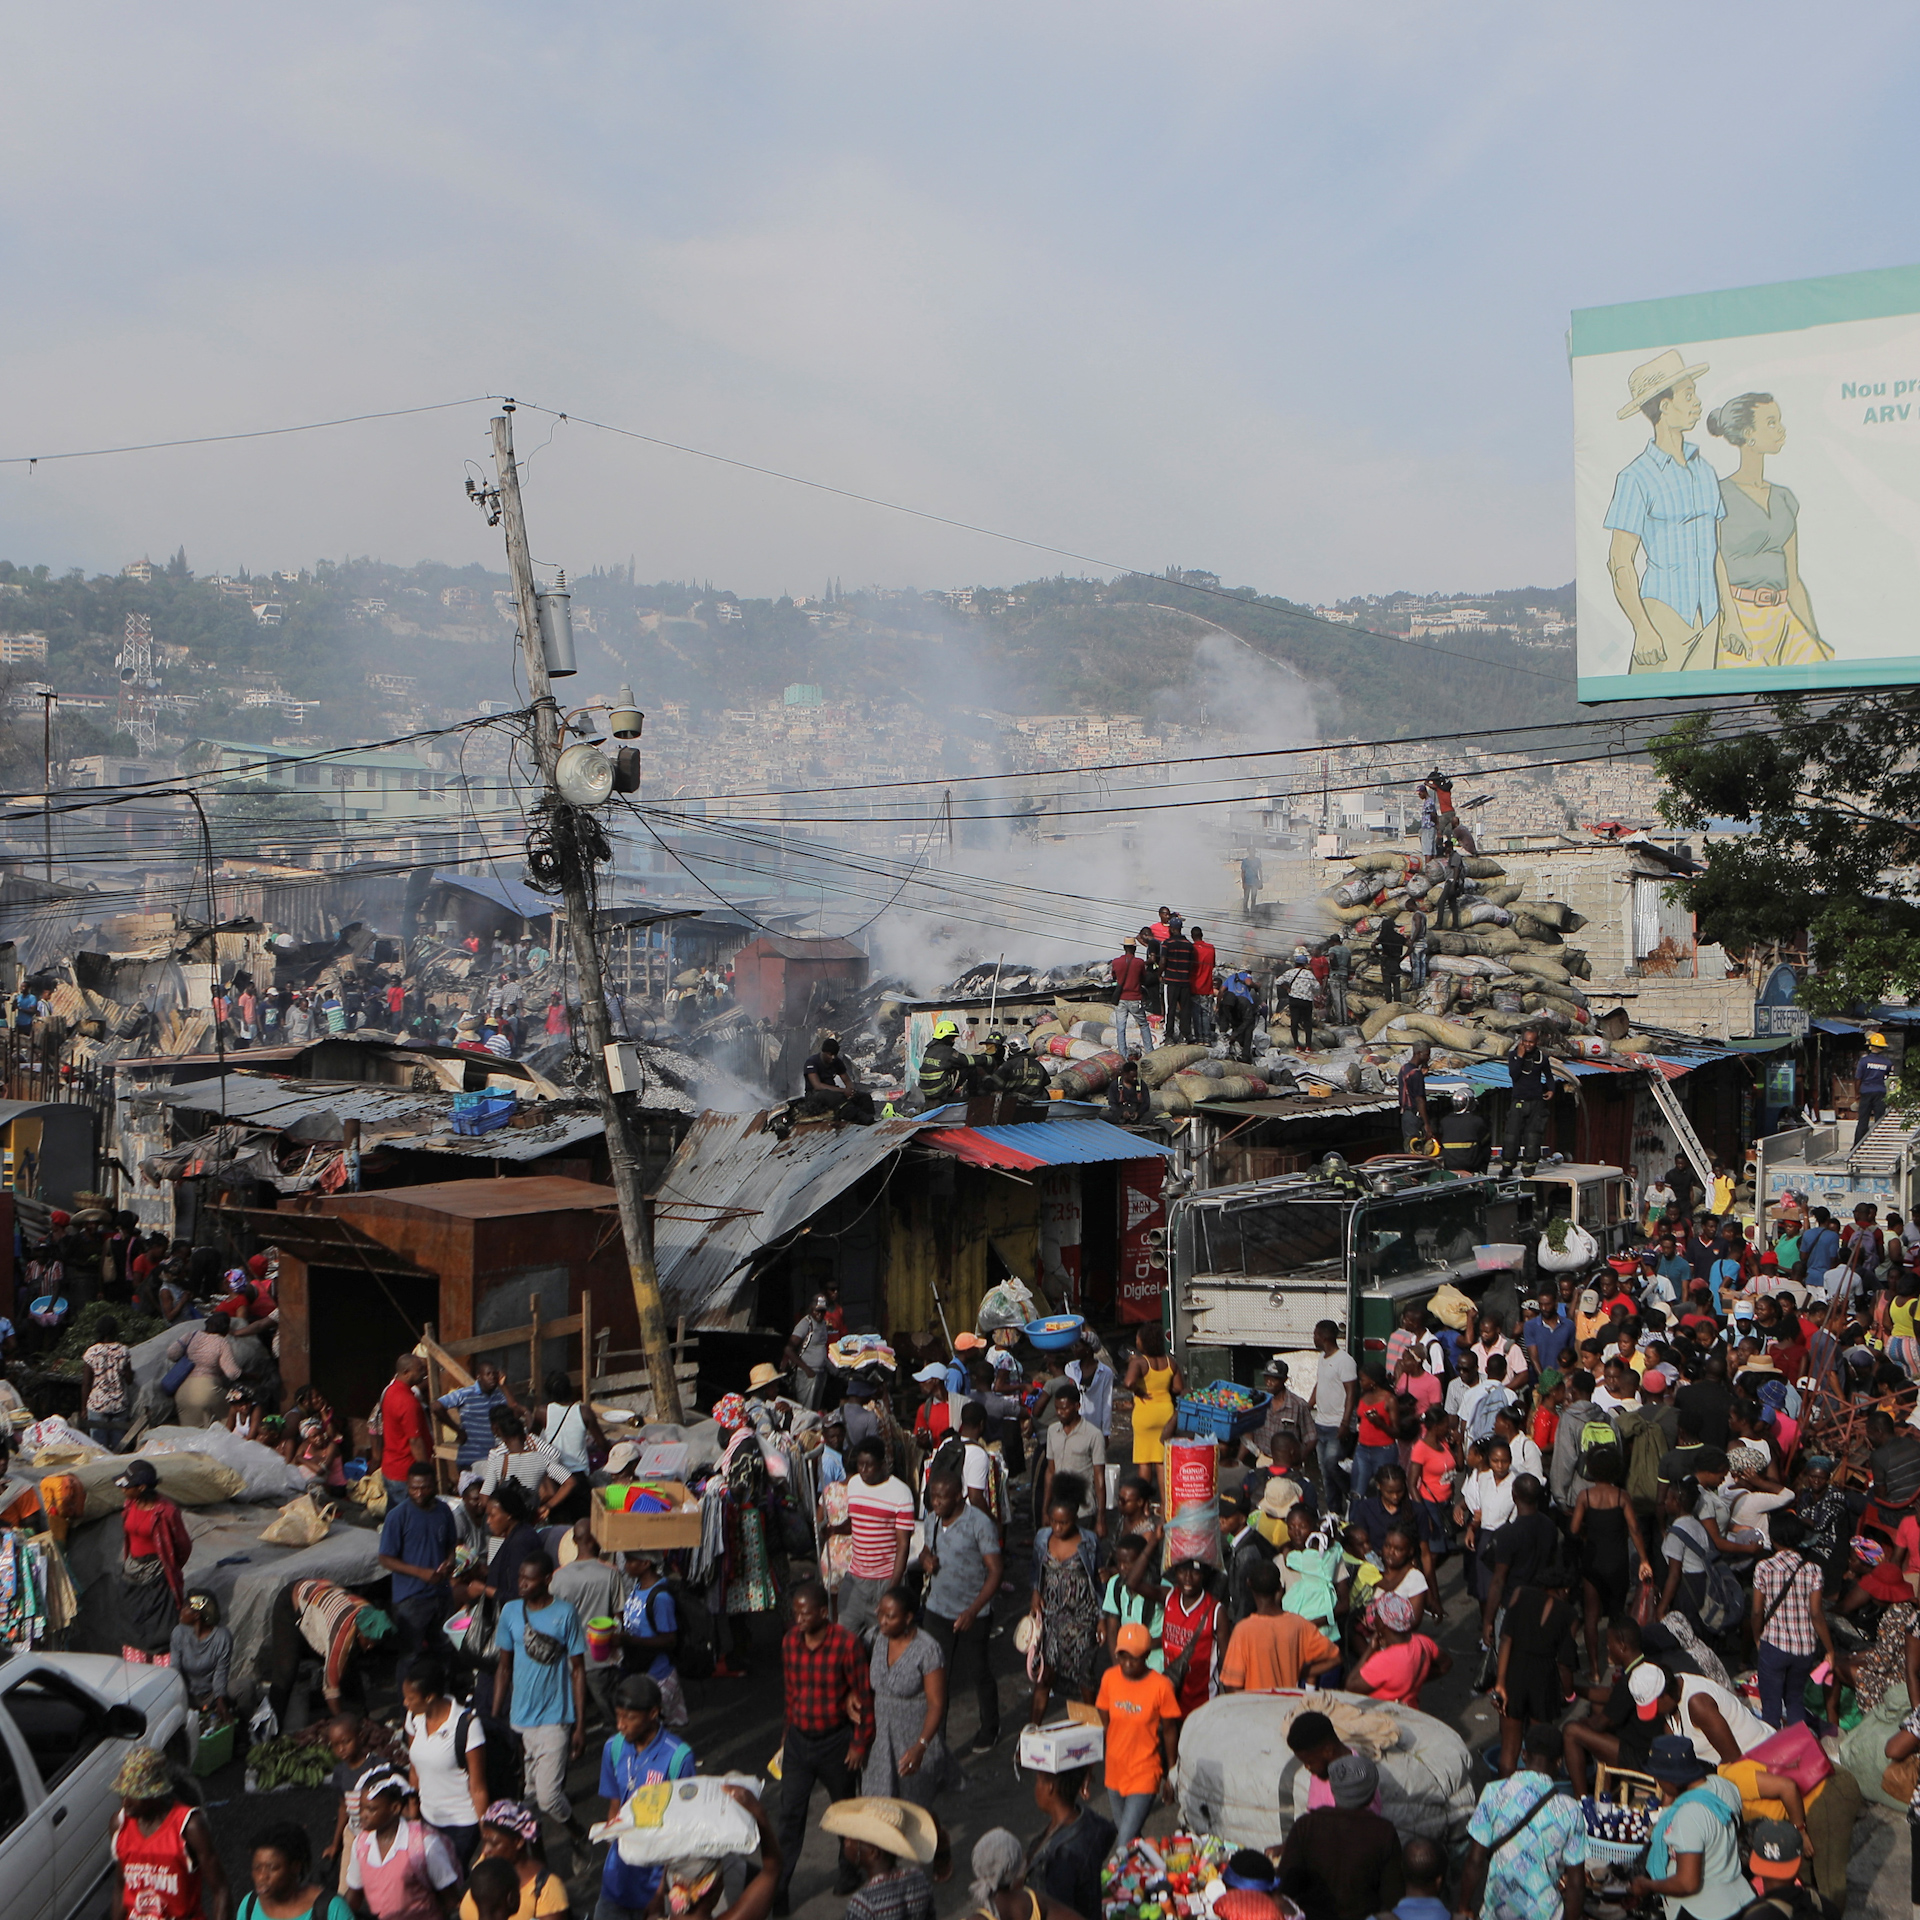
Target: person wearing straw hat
[(890, 1844), (1665, 518), (165, 1864), (1693, 1857)]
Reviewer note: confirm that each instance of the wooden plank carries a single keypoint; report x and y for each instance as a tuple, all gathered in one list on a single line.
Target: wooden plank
[(642, 1381), (433, 1353), (512, 1336)]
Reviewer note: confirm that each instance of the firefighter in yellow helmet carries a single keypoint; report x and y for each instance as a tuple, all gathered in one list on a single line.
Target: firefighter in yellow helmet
[(945, 1072)]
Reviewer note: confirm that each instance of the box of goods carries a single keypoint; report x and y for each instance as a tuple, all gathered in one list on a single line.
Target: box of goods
[(1062, 1747), (645, 1516), (1225, 1410), (1163, 1880)]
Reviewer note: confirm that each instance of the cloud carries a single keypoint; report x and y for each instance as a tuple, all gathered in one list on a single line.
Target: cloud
[(1280, 292)]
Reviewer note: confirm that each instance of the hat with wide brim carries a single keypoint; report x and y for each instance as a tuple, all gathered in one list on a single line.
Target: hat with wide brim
[(1279, 1498), (764, 1375), (894, 1826), (1656, 376)]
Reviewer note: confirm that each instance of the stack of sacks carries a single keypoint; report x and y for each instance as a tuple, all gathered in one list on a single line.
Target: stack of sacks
[(1181, 1077), (1506, 966)]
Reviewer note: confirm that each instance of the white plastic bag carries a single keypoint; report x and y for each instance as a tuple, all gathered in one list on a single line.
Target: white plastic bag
[(263, 1473), (1581, 1250), (695, 1818)]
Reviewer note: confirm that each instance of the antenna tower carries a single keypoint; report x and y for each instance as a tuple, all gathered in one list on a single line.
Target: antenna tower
[(139, 709)]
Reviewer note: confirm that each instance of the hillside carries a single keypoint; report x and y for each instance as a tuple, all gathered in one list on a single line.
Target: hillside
[(359, 649)]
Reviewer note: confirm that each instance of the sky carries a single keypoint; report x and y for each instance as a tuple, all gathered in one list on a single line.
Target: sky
[(1276, 290)]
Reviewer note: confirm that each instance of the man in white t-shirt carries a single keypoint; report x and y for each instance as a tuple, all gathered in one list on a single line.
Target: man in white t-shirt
[(976, 1470), (880, 1514), (1336, 1387)]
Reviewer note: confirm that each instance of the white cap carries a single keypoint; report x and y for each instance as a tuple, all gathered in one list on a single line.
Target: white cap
[(1646, 1683), (933, 1370)]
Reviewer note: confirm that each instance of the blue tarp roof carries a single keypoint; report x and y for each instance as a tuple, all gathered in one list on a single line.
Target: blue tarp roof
[(1485, 1075), (518, 900)]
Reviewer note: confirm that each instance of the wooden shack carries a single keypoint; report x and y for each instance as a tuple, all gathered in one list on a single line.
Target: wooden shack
[(775, 977)]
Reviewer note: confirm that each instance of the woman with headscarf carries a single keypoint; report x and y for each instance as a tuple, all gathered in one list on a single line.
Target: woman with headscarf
[(510, 1833), (999, 1882), (201, 1398), (153, 1583), (164, 1860), (202, 1651)]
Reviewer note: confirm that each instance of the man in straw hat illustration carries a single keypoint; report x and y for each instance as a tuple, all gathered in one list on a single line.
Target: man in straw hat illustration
[(1666, 512)]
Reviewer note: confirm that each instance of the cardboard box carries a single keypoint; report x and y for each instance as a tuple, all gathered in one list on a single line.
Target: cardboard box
[(651, 1532), (1061, 1747)]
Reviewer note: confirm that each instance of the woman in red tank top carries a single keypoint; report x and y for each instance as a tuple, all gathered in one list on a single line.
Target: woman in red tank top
[(164, 1863)]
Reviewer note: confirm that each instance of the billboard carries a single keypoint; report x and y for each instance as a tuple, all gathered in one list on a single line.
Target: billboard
[(1747, 489)]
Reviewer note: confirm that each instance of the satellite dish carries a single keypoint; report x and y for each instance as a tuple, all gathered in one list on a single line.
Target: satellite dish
[(584, 776)]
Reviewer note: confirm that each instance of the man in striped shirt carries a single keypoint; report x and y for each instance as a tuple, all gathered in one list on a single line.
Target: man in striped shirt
[(469, 1412), (881, 1517)]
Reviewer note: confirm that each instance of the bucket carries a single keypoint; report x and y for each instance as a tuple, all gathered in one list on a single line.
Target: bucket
[(603, 1640)]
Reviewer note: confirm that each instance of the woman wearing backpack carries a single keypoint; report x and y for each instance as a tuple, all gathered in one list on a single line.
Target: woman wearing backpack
[(1698, 1581), (446, 1757)]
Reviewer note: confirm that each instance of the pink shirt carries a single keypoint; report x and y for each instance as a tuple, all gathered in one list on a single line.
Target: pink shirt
[(1398, 1673)]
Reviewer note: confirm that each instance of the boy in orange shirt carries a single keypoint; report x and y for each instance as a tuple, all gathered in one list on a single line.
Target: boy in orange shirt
[(1142, 1717)]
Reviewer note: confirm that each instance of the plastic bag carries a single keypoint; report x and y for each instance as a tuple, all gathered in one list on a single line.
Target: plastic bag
[(300, 1523), (694, 1818), (52, 1442), (1010, 1304), (1580, 1250)]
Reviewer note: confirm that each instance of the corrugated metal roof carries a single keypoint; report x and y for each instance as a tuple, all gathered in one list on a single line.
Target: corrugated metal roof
[(733, 1189), (1487, 1074), (1043, 1143), (265, 1102), (802, 947)]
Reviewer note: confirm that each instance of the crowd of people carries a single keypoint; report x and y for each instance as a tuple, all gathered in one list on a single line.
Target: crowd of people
[(1623, 1466)]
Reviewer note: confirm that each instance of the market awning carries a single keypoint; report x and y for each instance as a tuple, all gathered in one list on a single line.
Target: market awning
[(1043, 1143)]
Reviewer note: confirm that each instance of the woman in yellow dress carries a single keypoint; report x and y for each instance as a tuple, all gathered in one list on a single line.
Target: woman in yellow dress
[(1155, 1383), (1769, 621)]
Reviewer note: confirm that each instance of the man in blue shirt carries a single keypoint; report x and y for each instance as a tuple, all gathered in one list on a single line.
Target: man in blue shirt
[(650, 1634), (1675, 1266), (1819, 1249), (1548, 1336), (542, 1683), (469, 1411), (1870, 1079), (416, 1546), (1666, 512), (641, 1754)]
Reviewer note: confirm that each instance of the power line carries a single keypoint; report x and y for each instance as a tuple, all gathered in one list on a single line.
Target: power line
[(256, 433)]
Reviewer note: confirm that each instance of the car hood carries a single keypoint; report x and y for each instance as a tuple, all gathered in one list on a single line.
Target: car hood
[(151, 1689)]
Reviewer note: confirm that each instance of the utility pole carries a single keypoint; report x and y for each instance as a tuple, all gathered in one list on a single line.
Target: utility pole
[(46, 772), (635, 1228)]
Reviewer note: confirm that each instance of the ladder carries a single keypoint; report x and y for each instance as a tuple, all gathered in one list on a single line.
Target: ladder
[(1697, 1155), (1882, 1151)]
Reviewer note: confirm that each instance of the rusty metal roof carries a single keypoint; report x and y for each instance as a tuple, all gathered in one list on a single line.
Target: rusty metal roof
[(492, 1199), (733, 1189), (322, 1240)]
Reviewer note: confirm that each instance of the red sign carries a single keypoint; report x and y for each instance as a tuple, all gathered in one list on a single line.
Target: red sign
[(1142, 1281)]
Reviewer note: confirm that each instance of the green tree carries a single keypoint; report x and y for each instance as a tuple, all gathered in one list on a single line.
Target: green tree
[(1828, 801)]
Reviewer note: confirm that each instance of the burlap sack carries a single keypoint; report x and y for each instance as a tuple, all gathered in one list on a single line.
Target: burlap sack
[(1159, 1066)]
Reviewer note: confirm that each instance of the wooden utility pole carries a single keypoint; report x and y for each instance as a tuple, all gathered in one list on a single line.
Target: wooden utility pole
[(635, 1227)]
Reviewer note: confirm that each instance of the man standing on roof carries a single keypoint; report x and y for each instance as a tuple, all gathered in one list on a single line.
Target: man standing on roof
[(1532, 1077), (1237, 1010), (1871, 1080), (1130, 976), (1200, 1007), (1176, 982), (1339, 969), (945, 1072), (1392, 945), (1414, 1124)]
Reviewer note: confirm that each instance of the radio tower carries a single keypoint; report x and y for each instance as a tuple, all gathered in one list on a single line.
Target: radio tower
[(139, 709)]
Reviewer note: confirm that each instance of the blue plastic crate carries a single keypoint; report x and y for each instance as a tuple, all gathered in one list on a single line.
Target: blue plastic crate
[(1217, 1421), (487, 1115)]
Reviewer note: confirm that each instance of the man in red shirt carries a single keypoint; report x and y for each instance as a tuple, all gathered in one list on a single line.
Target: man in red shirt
[(1204, 986), (1130, 976), (403, 1425)]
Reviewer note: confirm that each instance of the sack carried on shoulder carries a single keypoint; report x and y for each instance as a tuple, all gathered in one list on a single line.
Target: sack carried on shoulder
[(300, 1523)]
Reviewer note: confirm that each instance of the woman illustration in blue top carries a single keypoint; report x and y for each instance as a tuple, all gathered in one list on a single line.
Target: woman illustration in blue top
[(1665, 513), (1769, 615)]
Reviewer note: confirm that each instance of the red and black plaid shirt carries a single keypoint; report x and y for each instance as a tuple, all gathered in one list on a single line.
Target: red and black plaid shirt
[(819, 1680)]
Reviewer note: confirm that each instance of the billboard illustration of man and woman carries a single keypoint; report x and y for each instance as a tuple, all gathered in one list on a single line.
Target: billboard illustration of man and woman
[(1747, 489)]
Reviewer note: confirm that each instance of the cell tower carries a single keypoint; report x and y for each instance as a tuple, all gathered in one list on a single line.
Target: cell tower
[(139, 709)]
